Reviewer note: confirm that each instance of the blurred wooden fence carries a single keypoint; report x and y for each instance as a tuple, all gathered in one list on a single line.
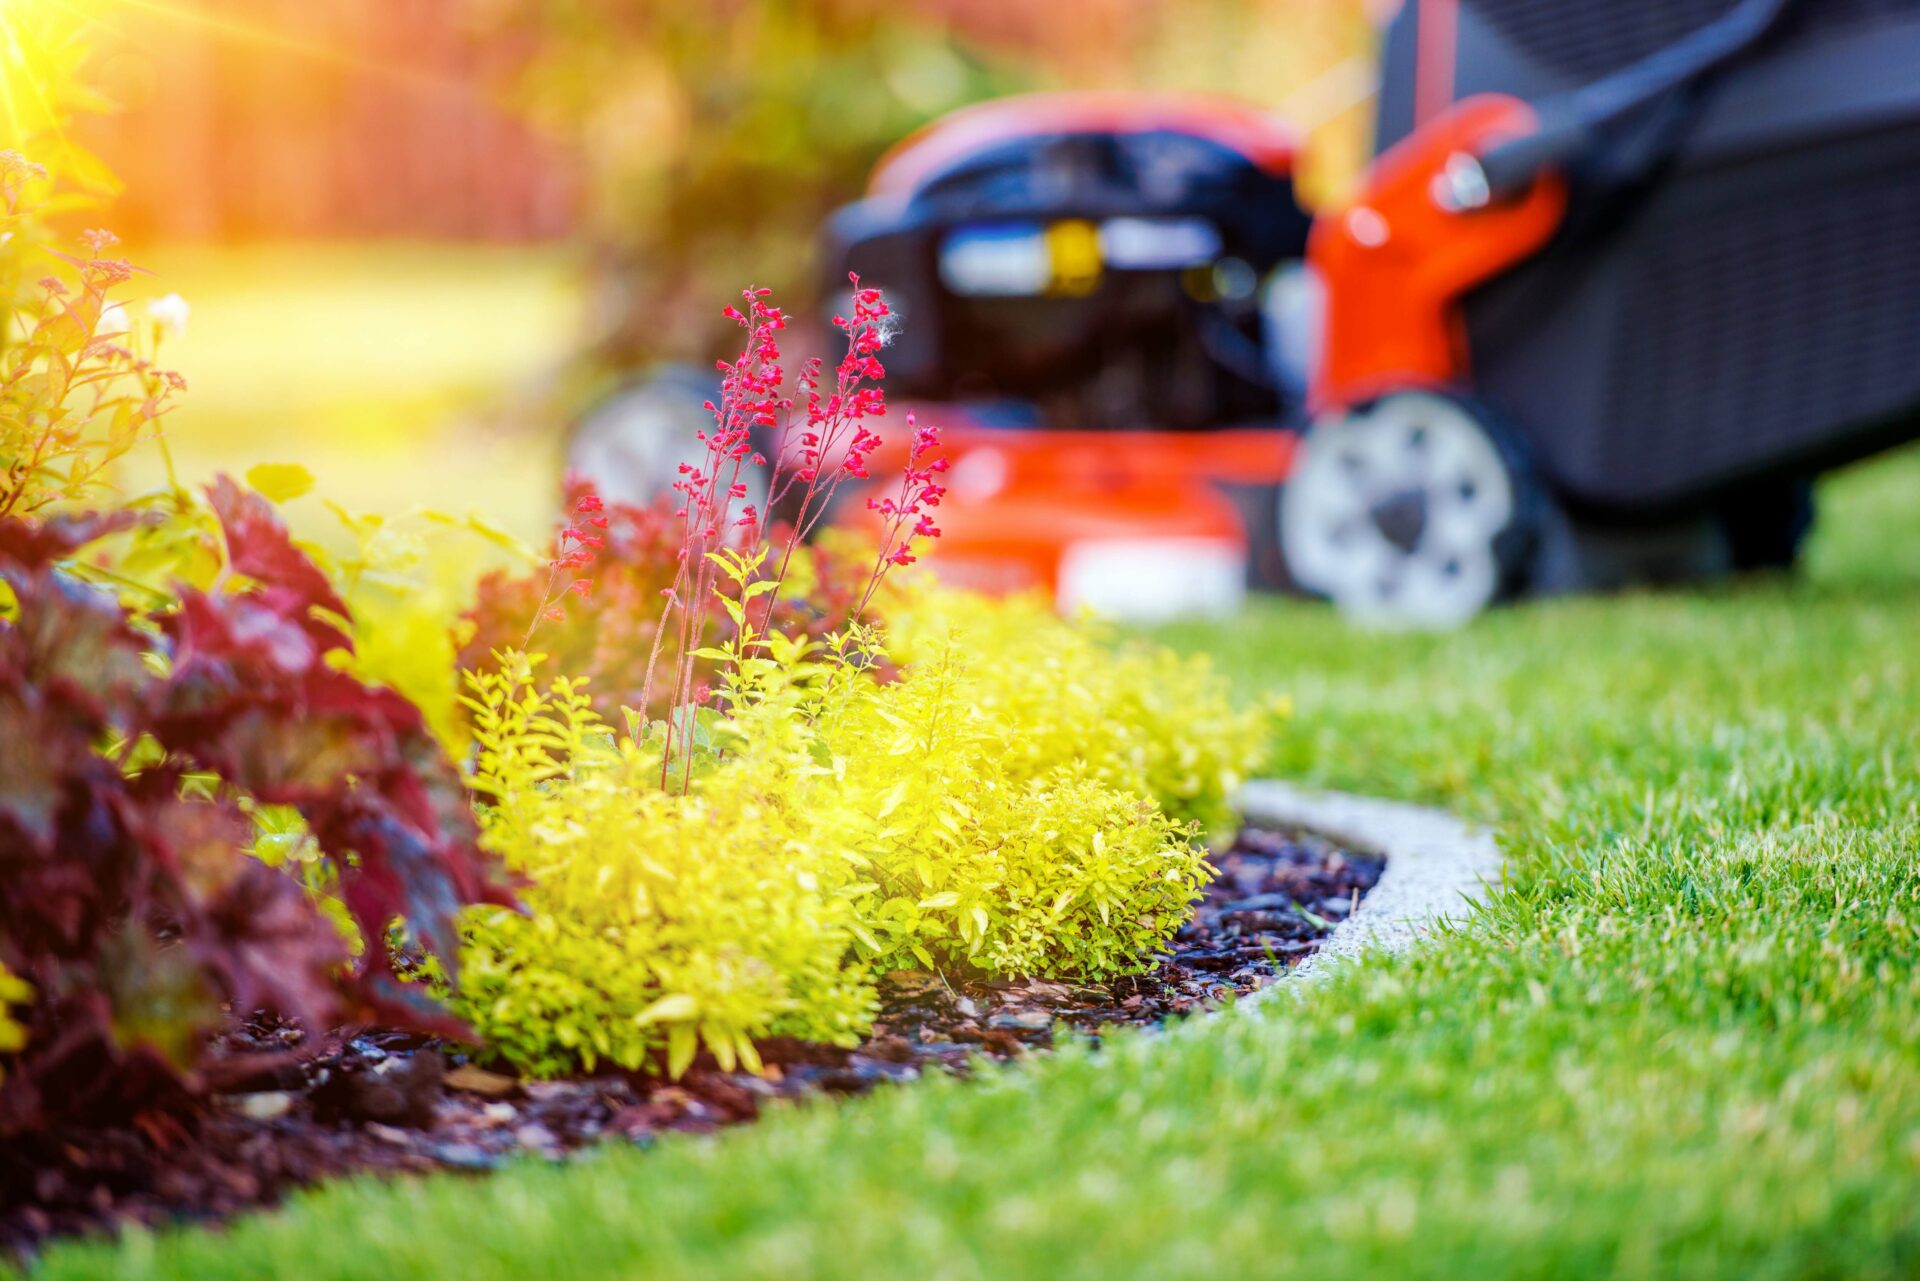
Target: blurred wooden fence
[(253, 119)]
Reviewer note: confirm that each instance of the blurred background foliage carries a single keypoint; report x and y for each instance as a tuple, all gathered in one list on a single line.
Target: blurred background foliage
[(417, 234), (714, 138)]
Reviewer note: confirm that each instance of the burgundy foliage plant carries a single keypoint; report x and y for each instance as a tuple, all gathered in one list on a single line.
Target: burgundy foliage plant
[(131, 754)]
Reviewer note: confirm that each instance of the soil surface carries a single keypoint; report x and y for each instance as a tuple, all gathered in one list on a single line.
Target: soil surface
[(385, 1102)]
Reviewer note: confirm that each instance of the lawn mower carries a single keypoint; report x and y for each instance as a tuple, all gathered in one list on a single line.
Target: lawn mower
[(1091, 293), (1623, 277)]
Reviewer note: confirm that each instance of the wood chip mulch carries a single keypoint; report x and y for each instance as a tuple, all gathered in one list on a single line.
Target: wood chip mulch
[(390, 1103)]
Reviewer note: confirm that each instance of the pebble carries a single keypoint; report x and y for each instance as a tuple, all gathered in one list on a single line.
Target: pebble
[(870, 1067), (536, 1135), (466, 1156), (1259, 903), (264, 1106), (478, 1080)]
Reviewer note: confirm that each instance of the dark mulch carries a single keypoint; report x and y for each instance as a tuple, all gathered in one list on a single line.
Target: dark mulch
[(385, 1102)]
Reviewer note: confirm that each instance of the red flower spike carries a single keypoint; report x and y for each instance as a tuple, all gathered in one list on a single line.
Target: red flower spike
[(825, 428)]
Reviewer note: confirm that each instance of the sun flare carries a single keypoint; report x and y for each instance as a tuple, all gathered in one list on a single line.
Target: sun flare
[(44, 44), (39, 54)]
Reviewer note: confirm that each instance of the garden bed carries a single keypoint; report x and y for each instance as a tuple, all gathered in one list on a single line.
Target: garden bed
[(391, 1102)]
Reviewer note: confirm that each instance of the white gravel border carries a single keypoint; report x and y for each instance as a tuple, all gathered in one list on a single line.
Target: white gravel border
[(1437, 866)]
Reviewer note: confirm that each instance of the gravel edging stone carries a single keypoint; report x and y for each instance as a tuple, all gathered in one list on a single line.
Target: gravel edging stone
[(1438, 867)]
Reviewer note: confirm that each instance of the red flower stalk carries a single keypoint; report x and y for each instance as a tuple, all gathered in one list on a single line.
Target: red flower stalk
[(918, 495), (750, 398), (574, 549), (824, 440), (834, 443)]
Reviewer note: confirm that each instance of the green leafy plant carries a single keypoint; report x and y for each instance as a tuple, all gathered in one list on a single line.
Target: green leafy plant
[(81, 388), (406, 580), (832, 827), (49, 82)]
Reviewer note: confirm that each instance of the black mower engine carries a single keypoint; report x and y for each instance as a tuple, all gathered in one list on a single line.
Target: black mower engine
[(1086, 261)]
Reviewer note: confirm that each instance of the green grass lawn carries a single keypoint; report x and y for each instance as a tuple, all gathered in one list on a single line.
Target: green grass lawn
[(1683, 1040), (383, 368)]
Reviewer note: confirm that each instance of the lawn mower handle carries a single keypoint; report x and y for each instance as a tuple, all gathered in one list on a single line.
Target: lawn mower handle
[(1570, 124)]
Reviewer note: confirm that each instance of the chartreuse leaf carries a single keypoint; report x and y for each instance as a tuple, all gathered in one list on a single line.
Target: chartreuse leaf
[(675, 1007), (682, 1044), (280, 482)]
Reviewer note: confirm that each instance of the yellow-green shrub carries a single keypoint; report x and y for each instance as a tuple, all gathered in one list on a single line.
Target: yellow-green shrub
[(848, 827), (1135, 716), (977, 861), (654, 921)]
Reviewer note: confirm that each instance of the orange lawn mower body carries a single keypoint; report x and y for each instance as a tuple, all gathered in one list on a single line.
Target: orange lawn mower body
[(1395, 264), (1150, 529)]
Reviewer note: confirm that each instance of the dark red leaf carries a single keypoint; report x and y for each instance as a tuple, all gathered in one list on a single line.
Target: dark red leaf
[(126, 899)]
